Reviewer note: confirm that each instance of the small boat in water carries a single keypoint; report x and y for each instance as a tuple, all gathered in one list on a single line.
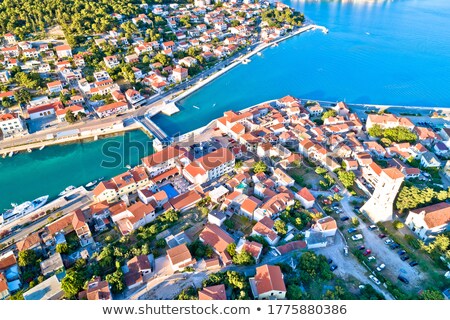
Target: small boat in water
[(100, 179), (195, 107), (29, 150), (20, 210), (259, 54), (91, 184), (66, 190), (128, 166), (11, 154), (41, 147)]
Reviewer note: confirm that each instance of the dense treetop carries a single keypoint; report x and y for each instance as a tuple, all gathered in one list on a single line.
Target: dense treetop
[(76, 17)]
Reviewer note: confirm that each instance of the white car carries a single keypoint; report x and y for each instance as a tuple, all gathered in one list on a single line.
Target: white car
[(374, 279), (357, 237), (371, 258), (381, 267)]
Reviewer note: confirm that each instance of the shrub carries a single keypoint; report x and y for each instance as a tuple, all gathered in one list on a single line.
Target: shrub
[(398, 224)]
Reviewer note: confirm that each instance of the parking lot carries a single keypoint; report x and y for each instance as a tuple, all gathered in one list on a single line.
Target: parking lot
[(383, 253)]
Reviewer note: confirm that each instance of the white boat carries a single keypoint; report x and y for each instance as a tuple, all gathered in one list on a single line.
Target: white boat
[(195, 107), (100, 179), (66, 190), (11, 154), (24, 208), (29, 150), (128, 166), (259, 54), (368, 33), (274, 45), (41, 147), (91, 184)]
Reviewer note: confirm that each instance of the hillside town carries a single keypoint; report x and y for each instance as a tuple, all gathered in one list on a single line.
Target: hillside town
[(284, 200), (48, 83)]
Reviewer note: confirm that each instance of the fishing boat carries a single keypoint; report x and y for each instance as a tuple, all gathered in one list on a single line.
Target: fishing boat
[(66, 190), (91, 184), (25, 208)]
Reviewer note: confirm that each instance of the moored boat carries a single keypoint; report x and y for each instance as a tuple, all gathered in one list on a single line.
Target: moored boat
[(66, 190), (91, 184)]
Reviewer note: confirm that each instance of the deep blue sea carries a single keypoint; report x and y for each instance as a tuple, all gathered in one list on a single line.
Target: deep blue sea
[(382, 52)]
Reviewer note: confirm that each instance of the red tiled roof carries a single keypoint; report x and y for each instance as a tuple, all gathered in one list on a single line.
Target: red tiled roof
[(216, 237), (269, 278), (213, 293)]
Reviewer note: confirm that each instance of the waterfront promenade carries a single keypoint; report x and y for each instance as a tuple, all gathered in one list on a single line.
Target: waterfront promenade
[(155, 105)]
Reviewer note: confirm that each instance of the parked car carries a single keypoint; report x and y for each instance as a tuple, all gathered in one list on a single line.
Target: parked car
[(401, 252), (404, 258), (394, 246), (413, 263), (373, 227), (367, 252), (361, 247), (357, 237), (388, 241), (381, 236), (333, 267), (374, 279), (371, 258), (344, 218), (330, 261), (346, 251), (403, 279), (381, 267), (351, 230)]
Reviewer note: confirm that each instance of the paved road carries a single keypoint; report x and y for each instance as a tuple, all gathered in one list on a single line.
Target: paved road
[(83, 199), (394, 266)]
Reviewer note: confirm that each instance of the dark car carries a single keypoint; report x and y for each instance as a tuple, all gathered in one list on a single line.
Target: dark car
[(373, 227), (333, 267), (329, 261), (401, 252), (344, 218), (381, 236), (403, 279), (413, 263), (404, 258), (351, 230), (361, 247), (394, 246)]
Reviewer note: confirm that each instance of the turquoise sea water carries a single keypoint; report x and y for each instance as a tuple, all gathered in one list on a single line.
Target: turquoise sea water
[(384, 52), (27, 176)]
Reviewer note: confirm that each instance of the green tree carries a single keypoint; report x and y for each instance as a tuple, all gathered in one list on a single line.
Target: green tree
[(231, 249), (70, 117), (62, 248), (294, 292), (243, 258), (22, 95), (116, 280), (328, 114), (280, 227), (347, 178), (432, 294), (27, 258), (72, 283), (398, 224), (376, 131), (259, 167)]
